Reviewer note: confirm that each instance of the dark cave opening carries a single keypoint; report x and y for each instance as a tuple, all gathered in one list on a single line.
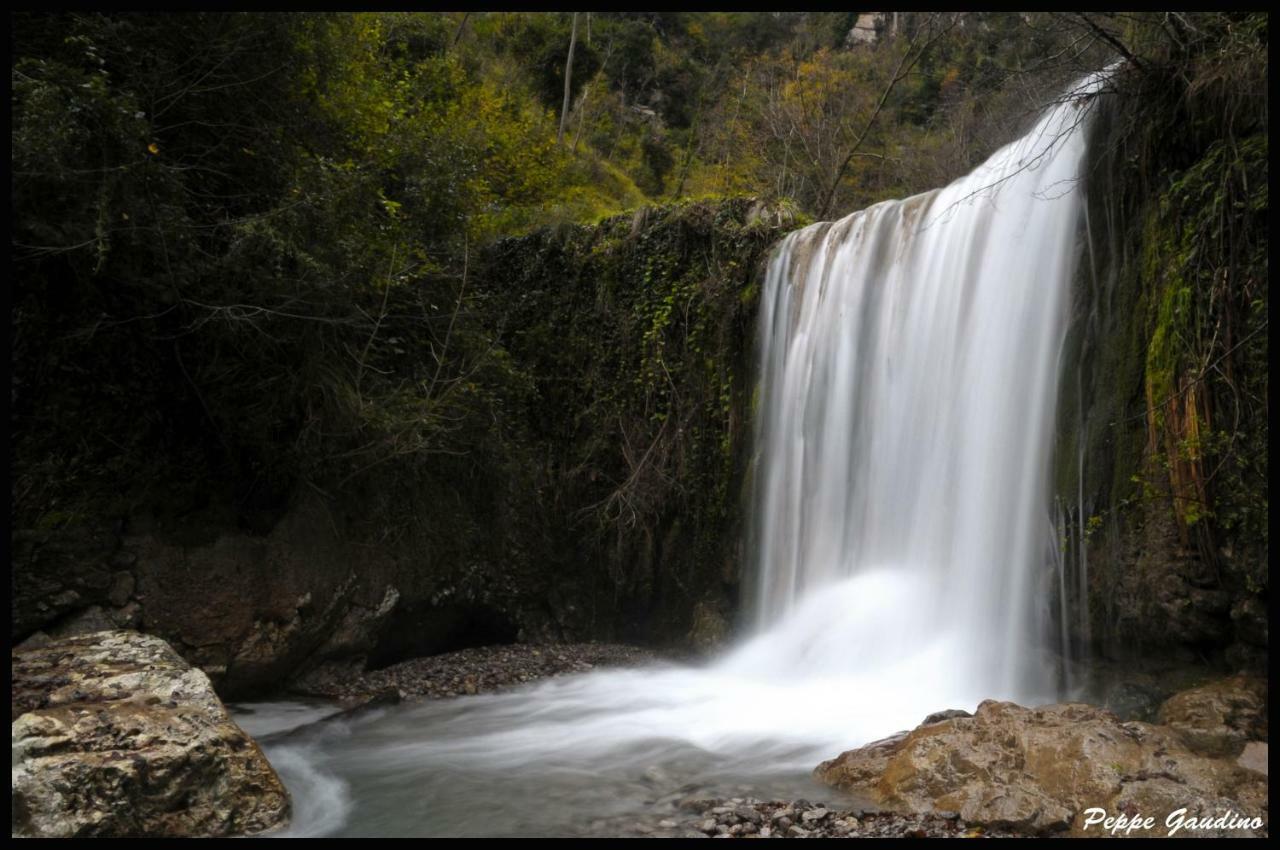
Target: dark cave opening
[(421, 630)]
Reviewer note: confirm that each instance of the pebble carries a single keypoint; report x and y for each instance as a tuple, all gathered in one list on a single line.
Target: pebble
[(751, 818), (468, 671)]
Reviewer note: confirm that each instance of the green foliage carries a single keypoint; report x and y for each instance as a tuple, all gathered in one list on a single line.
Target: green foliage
[(636, 337), (265, 221), (1171, 357), (1207, 253)]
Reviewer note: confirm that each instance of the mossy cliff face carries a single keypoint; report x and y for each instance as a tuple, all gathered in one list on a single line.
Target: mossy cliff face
[(605, 499), (1162, 450), (638, 338)]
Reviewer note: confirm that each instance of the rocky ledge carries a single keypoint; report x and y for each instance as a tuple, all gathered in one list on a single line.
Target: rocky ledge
[(466, 672), (1067, 768), (115, 735)]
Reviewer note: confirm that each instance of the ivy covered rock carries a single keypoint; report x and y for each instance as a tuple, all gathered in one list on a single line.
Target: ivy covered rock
[(1161, 457)]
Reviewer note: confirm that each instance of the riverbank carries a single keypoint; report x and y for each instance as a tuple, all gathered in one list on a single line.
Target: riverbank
[(748, 817), (466, 672), (613, 754)]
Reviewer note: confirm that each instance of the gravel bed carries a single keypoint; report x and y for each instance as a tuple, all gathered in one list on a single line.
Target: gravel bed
[(466, 672)]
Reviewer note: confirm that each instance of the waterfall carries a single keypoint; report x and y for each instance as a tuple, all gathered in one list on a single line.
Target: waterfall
[(909, 363), (904, 555)]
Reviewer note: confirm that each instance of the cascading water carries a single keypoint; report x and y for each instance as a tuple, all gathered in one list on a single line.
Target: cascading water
[(910, 372), (903, 542)]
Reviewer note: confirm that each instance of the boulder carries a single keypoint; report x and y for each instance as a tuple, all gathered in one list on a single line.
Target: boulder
[(1251, 621), (115, 735), (1254, 757), (1038, 769), (1217, 719), (1132, 701), (939, 716), (710, 629)]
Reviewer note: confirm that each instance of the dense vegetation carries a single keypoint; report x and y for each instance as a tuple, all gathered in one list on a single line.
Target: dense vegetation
[(241, 241), (1170, 344), (257, 255)]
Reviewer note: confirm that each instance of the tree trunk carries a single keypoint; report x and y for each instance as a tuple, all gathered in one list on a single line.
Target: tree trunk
[(568, 73)]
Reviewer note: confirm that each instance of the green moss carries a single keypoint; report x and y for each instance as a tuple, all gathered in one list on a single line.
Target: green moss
[(637, 337), (1162, 405)]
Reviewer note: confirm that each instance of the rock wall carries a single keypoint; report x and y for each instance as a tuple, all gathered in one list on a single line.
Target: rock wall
[(1161, 454), (607, 505)]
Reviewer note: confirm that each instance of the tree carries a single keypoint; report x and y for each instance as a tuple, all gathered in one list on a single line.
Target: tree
[(568, 76)]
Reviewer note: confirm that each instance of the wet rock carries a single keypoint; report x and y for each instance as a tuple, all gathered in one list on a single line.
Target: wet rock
[(1197, 616), (1254, 757), (1036, 770), (116, 735), (710, 628), (121, 590), (34, 641), (55, 573), (1246, 657), (1251, 621), (1131, 701), (939, 716), (85, 621), (655, 775), (128, 617), (382, 699), (1220, 717)]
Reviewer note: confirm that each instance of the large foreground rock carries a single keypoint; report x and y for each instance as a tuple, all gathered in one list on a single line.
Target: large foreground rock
[(1039, 769), (115, 735)]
